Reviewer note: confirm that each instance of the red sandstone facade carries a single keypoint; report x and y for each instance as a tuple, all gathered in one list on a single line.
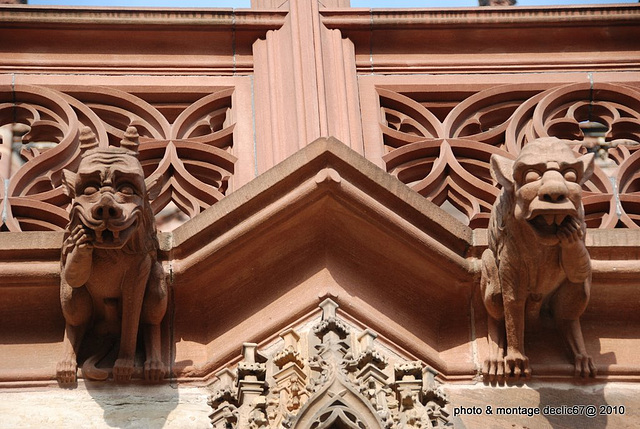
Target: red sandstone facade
[(324, 155)]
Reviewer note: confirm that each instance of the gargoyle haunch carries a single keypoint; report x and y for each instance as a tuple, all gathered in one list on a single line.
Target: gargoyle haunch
[(110, 274), (537, 255)]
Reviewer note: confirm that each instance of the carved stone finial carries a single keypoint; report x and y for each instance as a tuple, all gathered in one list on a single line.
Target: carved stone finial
[(329, 308), (251, 374), (290, 352), (369, 356), (249, 352), (536, 254), (87, 139), (366, 339), (109, 264), (131, 139), (330, 323)]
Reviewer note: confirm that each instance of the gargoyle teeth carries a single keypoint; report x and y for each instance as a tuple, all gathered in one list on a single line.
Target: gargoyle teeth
[(549, 219), (116, 234), (99, 235), (560, 218)]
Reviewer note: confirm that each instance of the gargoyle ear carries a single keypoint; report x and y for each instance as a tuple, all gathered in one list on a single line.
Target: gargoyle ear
[(154, 186), (587, 166), (502, 170), (69, 183)]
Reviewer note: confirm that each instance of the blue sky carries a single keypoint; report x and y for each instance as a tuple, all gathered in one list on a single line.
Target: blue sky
[(354, 3)]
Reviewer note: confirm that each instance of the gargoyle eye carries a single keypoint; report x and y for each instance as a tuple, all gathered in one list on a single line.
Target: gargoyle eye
[(531, 176), (90, 189), (571, 176), (127, 189)]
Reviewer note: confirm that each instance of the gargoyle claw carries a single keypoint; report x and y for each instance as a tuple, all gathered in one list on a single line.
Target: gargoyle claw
[(123, 370), (584, 366), (517, 366), (153, 370), (493, 370), (66, 371)]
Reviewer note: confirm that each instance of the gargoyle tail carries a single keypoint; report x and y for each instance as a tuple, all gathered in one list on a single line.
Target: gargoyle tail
[(89, 369)]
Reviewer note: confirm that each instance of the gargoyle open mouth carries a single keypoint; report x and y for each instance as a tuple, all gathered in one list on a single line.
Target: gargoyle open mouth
[(547, 224), (107, 236), (112, 234)]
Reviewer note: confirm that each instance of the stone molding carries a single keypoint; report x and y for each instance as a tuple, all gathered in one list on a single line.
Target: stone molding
[(490, 40)]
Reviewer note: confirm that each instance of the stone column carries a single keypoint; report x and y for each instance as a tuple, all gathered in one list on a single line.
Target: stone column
[(305, 84)]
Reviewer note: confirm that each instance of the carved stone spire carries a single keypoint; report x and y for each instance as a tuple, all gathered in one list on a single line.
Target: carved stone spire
[(131, 139), (87, 139), (251, 374), (331, 331)]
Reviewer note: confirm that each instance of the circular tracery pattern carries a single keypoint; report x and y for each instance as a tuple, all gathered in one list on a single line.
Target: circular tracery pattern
[(193, 156), (422, 152)]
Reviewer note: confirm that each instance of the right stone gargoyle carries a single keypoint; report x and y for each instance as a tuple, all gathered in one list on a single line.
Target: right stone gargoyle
[(537, 255)]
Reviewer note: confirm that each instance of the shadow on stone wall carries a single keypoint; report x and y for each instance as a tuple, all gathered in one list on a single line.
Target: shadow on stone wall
[(574, 406), (137, 404)]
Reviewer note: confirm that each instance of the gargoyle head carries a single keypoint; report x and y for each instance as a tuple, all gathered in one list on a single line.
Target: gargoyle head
[(545, 182), (109, 195)]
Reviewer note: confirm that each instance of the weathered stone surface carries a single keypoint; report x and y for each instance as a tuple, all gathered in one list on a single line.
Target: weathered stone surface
[(95, 405), (616, 405)]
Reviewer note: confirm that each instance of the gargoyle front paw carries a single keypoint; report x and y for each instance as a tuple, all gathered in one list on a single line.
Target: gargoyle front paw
[(66, 371), (80, 240), (493, 370), (570, 233), (584, 366), (153, 370), (517, 366), (122, 370)]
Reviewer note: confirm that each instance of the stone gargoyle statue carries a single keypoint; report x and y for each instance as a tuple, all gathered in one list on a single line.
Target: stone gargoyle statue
[(111, 280), (536, 256)]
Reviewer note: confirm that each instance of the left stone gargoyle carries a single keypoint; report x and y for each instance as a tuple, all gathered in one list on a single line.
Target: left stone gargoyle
[(111, 280)]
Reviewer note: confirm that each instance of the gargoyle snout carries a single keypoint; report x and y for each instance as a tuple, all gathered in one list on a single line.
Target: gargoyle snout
[(106, 209), (553, 188)]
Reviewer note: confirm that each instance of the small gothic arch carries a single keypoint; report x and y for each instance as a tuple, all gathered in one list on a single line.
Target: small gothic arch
[(337, 416), (337, 405)]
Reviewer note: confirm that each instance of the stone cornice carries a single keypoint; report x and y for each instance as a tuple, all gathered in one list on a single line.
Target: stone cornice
[(131, 40), (463, 40), (240, 19), (405, 19), (351, 18)]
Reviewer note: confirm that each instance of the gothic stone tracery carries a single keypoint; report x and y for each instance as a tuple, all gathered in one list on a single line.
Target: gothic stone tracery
[(442, 149), (327, 374), (188, 150)]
